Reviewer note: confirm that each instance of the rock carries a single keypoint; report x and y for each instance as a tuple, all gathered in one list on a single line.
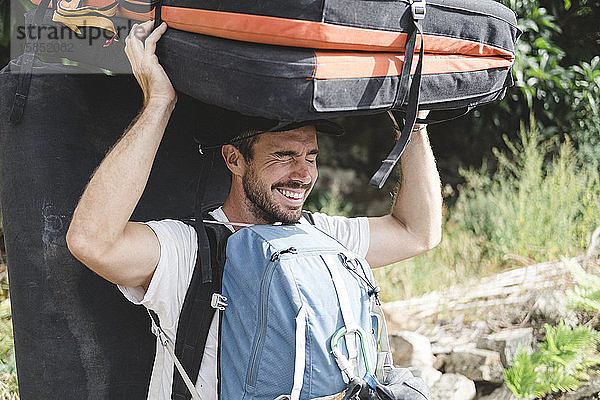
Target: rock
[(507, 343), (502, 393), (453, 387), (589, 389), (429, 375), (476, 364), (551, 306), (440, 361), (409, 349)]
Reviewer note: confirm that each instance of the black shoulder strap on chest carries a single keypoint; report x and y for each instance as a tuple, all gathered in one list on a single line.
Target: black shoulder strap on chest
[(197, 312), (308, 216)]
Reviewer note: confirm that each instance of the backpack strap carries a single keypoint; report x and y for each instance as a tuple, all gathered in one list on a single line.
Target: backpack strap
[(201, 301), (168, 345), (308, 216), (27, 61)]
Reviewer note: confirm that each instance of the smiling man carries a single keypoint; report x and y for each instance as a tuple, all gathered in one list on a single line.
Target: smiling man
[(272, 175)]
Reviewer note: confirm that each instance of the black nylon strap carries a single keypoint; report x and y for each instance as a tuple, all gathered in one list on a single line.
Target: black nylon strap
[(157, 13), (411, 116), (404, 84), (308, 216), (27, 60), (203, 256), (459, 112), (197, 313)]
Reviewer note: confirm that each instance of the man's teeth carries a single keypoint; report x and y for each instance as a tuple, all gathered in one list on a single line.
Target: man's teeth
[(291, 195)]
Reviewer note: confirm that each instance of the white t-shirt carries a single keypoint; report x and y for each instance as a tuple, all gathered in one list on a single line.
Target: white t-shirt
[(169, 284)]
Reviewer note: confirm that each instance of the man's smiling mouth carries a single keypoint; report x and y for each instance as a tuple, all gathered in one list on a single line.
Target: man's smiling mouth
[(291, 194)]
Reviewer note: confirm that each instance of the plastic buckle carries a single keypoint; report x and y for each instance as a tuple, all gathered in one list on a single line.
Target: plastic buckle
[(160, 334), (418, 9), (218, 301)]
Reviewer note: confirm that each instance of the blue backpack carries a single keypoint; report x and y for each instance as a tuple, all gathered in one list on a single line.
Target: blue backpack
[(298, 315), (299, 319)]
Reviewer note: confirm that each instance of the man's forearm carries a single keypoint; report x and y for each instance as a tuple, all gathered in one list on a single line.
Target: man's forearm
[(418, 205), (117, 185)]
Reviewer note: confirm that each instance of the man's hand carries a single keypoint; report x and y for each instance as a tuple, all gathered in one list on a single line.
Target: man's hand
[(418, 127), (140, 46)]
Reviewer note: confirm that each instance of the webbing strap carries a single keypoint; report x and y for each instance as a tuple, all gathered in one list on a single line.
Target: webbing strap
[(411, 116), (157, 13), (409, 52), (168, 345), (203, 256), (347, 314), (197, 313), (27, 60), (300, 356), (385, 362)]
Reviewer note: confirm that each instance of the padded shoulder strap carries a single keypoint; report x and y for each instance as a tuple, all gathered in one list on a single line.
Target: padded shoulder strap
[(308, 216), (197, 313)]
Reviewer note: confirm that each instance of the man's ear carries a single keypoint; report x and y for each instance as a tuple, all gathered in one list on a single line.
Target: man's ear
[(233, 159)]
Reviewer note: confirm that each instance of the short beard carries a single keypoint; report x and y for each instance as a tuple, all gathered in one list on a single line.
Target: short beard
[(261, 206)]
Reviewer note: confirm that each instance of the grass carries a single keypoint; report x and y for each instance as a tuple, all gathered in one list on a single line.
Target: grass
[(535, 207), (8, 370), (8, 373)]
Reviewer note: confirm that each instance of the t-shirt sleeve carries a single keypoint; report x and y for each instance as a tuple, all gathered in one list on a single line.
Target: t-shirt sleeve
[(169, 284), (351, 232)]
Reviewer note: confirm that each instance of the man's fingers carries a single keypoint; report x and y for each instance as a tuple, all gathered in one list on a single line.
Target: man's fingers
[(150, 42), (141, 31)]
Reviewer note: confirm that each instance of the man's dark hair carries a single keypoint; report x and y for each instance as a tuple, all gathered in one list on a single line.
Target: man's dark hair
[(245, 143)]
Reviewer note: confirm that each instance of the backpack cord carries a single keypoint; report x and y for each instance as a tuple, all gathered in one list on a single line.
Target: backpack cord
[(168, 345)]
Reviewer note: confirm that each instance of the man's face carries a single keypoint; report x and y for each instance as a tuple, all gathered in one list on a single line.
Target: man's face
[(281, 174)]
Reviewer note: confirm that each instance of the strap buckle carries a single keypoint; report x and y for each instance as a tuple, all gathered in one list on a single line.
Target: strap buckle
[(158, 332), (418, 9), (218, 301)]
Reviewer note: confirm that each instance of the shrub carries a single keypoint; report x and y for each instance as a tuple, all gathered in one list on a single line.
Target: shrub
[(561, 365), (567, 355), (531, 208)]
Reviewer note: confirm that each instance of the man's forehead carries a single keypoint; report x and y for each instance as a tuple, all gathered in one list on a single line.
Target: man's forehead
[(305, 136)]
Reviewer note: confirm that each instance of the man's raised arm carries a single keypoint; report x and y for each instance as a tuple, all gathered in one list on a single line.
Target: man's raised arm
[(415, 223), (100, 234)]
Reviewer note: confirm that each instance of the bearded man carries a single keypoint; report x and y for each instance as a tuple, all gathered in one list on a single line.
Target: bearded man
[(272, 175)]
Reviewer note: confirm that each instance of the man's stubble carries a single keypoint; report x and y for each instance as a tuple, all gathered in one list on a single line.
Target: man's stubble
[(261, 204)]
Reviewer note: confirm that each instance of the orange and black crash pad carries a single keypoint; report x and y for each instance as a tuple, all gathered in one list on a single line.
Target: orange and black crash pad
[(296, 83)]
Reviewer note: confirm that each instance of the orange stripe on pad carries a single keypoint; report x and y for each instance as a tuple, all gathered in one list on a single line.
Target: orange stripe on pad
[(359, 65), (319, 35)]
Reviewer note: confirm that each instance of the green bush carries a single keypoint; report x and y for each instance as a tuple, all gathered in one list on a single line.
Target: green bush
[(566, 357), (561, 365), (530, 208)]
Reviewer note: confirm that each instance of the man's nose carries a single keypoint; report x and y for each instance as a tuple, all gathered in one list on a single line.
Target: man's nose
[(302, 172)]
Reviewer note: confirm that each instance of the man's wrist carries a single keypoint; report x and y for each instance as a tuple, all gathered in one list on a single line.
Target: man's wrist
[(419, 128), (157, 104)]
